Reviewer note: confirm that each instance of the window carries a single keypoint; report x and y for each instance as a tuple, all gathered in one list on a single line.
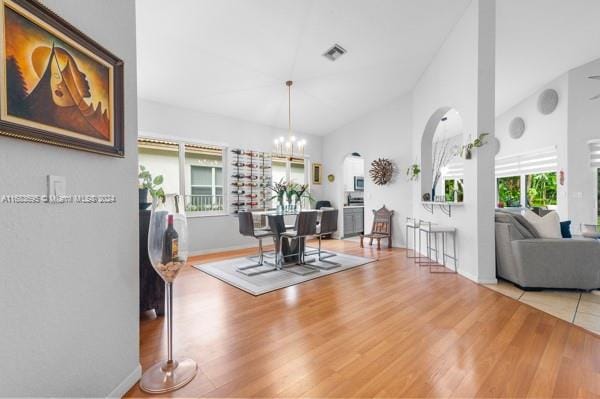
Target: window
[(279, 167), (161, 158), (541, 189), (288, 169), (509, 191), (204, 178), (527, 179), (453, 190), (297, 171), (190, 170)]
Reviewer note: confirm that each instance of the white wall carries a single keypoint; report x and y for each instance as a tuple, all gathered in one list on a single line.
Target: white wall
[(584, 125), (213, 233), (384, 133), (70, 272), (461, 76), (541, 131)]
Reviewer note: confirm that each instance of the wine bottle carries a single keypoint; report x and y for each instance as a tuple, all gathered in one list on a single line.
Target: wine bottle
[(170, 243)]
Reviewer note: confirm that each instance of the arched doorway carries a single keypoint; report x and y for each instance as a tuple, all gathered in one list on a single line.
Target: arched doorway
[(442, 170)]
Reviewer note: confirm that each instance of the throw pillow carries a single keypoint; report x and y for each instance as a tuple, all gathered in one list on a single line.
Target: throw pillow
[(547, 226), (565, 229)]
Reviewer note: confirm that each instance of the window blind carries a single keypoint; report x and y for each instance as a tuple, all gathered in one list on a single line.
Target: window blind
[(541, 161), (455, 170), (594, 153)]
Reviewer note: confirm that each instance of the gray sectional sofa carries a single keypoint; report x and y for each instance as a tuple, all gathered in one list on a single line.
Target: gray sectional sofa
[(532, 262)]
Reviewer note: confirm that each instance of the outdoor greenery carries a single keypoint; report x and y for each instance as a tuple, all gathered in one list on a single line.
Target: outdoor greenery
[(541, 189), (509, 191), (450, 187)]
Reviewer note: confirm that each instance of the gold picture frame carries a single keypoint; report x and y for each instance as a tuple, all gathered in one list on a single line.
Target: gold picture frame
[(317, 173), (57, 85)]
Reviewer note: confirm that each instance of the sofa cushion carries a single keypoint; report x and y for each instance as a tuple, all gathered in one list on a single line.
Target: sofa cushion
[(547, 226), (565, 229), (520, 224)]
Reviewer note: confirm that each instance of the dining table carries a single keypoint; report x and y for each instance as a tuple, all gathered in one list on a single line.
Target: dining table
[(275, 222)]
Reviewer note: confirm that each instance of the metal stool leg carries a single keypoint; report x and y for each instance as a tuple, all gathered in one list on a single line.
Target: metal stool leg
[(453, 257)]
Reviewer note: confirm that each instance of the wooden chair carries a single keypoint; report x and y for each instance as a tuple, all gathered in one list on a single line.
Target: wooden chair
[(382, 227)]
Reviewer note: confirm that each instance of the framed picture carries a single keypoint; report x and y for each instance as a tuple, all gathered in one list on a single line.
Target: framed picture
[(317, 173), (57, 85)]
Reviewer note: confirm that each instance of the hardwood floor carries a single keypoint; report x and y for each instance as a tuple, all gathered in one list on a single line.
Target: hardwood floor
[(386, 329)]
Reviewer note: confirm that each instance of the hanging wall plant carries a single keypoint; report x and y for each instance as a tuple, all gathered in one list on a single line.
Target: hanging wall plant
[(413, 172), (382, 171), (467, 149)]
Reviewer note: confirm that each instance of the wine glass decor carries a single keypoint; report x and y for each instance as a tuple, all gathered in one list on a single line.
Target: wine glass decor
[(168, 252)]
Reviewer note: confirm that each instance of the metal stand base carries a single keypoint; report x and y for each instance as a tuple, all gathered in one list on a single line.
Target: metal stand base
[(168, 376)]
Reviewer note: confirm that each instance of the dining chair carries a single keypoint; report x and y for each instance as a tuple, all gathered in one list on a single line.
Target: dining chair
[(306, 225), (328, 225), (247, 229)]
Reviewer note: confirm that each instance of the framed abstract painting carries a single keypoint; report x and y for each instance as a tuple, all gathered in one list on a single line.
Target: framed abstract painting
[(57, 85)]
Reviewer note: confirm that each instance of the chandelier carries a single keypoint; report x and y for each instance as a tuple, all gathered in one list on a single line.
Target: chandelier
[(287, 146)]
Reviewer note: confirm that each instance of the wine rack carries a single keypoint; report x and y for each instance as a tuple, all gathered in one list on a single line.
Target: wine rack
[(250, 180)]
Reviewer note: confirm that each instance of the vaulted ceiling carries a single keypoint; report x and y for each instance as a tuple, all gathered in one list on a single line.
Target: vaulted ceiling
[(539, 40), (232, 57)]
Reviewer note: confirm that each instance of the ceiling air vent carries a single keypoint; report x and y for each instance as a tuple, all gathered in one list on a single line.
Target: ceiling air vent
[(334, 52)]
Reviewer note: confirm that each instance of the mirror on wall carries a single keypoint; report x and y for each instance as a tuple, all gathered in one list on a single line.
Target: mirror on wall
[(442, 165)]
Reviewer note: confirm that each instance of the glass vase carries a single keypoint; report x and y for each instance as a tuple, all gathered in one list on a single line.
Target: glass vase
[(168, 253)]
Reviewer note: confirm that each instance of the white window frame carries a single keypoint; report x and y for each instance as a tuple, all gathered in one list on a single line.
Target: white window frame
[(523, 187), (181, 148), (288, 168), (213, 186)]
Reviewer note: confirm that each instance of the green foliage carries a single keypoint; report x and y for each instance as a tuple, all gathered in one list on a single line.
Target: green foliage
[(509, 191), (541, 189), (452, 187), (465, 150), (413, 172), (152, 184), (290, 191)]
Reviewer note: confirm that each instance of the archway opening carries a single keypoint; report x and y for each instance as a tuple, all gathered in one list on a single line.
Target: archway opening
[(354, 195), (442, 168)]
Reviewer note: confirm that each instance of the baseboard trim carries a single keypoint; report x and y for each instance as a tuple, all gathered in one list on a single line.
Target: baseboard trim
[(224, 249), (127, 383)]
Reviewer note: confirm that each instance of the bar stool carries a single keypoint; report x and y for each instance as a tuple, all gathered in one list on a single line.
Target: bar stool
[(423, 226), (443, 231), (412, 224)]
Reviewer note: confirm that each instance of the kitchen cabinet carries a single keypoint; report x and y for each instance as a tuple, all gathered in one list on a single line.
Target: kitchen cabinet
[(353, 221)]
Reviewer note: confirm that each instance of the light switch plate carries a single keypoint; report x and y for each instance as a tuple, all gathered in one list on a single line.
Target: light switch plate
[(57, 185)]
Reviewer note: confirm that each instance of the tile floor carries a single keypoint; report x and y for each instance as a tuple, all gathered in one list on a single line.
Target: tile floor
[(579, 308)]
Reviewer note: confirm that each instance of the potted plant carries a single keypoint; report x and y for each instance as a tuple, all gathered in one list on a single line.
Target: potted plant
[(301, 192), (413, 172), (149, 185), (280, 190), (467, 149)]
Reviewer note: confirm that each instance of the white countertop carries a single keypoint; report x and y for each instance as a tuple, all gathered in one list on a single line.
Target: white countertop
[(354, 206)]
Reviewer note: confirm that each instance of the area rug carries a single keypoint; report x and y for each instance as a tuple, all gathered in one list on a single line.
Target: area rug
[(226, 270)]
